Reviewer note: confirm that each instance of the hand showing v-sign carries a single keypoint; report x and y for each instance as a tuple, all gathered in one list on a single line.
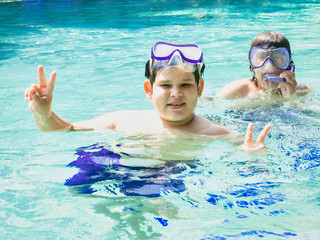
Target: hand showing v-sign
[(40, 96), (40, 101), (248, 145)]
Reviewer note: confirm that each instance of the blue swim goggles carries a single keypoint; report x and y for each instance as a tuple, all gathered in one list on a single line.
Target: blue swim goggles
[(280, 57), (187, 56)]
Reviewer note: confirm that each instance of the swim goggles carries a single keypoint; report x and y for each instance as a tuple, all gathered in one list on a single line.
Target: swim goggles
[(280, 57), (187, 56)]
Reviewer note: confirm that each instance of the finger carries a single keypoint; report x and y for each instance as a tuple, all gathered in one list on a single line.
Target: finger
[(263, 134), (36, 87), (35, 95), (26, 94), (248, 139), (42, 78), (289, 76), (27, 97), (52, 81)]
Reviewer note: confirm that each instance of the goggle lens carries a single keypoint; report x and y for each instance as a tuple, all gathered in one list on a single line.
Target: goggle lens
[(189, 56), (279, 56), (189, 52)]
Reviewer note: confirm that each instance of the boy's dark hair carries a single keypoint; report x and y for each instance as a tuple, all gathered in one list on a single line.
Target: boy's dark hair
[(269, 39), (152, 75)]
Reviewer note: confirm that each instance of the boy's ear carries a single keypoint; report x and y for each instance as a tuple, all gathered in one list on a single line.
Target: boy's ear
[(147, 88), (200, 87)]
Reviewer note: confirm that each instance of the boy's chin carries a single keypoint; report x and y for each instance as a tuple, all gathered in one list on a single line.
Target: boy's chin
[(176, 118)]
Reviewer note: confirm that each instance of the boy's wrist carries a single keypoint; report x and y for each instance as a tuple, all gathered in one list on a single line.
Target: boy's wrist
[(51, 122)]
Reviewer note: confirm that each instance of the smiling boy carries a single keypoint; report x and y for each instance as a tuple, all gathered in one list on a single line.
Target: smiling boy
[(173, 83)]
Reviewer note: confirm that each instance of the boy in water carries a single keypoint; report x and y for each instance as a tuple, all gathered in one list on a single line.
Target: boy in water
[(174, 84), (273, 70)]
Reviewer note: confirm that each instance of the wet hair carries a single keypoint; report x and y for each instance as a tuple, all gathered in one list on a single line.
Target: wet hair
[(269, 39), (152, 75)]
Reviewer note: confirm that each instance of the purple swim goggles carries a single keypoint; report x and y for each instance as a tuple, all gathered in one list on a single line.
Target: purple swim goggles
[(187, 56), (280, 57)]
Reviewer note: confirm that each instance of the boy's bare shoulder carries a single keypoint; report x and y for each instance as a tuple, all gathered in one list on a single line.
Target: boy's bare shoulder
[(208, 127), (236, 89)]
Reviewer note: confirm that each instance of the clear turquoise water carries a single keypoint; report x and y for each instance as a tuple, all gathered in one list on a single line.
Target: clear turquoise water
[(99, 50)]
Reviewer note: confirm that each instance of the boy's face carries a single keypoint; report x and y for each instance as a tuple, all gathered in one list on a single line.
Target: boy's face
[(175, 94)]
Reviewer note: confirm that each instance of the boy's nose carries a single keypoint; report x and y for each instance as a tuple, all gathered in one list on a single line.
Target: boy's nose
[(176, 92), (268, 66)]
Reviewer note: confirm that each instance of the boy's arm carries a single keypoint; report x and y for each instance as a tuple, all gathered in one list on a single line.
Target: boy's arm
[(103, 122), (234, 90), (40, 101), (51, 122)]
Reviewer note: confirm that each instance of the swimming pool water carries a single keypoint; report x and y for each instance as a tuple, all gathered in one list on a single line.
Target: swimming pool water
[(208, 189)]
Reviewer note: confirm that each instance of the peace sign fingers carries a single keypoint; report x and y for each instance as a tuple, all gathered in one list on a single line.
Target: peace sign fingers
[(248, 145), (263, 134), (46, 87), (40, 96)]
